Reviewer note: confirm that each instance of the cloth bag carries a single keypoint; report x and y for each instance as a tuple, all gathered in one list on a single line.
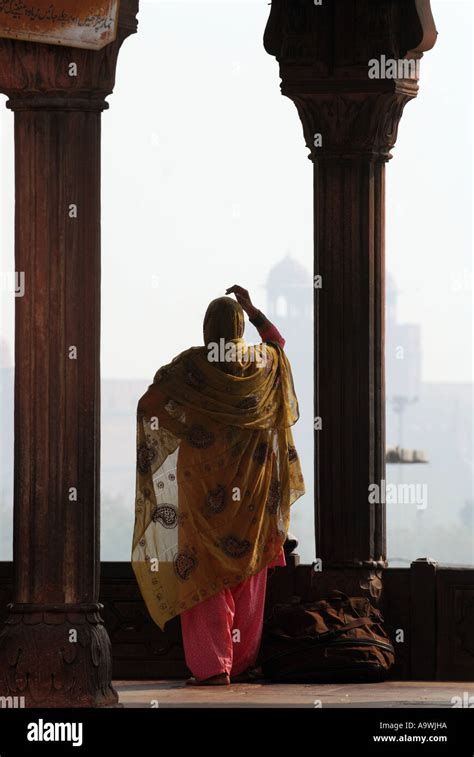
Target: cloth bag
[(338, 639)]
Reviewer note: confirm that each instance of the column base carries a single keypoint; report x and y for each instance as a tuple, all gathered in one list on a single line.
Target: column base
[(56, 656)]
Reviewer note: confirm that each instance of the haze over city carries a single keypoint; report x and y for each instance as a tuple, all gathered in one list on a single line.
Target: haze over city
[(207, 186)]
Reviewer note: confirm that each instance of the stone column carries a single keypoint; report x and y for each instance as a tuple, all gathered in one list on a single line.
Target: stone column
[(350, 123), (54, 649)]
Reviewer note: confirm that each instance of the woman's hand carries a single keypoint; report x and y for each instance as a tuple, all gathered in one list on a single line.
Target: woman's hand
[(243, 298)]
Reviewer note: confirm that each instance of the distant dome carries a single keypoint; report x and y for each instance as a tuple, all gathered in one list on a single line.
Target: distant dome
[(288, 273)]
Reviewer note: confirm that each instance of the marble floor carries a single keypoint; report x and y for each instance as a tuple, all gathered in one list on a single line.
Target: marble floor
[(390, 694)]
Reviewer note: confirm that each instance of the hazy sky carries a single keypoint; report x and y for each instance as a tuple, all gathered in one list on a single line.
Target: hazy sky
[(206, 183)]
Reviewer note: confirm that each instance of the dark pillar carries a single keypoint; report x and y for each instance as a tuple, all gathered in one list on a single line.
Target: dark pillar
[(54, 649), (350, 124)]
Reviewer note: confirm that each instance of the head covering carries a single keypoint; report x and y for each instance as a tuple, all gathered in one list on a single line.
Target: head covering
[(224, 319), (217, 469), (223, 327)]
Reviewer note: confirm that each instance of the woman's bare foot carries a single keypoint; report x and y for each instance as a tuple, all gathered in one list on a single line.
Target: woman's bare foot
[(250, 675), (222, 679)]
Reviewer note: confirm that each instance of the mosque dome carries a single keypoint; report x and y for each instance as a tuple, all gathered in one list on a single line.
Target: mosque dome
[(289, 290), (288, 274)]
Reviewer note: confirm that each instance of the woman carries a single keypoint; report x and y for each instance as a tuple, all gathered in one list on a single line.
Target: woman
[(217, 472)]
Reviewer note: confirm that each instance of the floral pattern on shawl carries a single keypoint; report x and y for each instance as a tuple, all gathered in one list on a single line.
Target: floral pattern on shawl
[(217, 473)]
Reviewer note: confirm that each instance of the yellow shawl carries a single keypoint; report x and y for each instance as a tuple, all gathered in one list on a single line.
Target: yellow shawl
[(217, 470)]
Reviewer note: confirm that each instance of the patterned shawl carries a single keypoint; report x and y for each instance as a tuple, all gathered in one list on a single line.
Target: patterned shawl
[(217, 470)]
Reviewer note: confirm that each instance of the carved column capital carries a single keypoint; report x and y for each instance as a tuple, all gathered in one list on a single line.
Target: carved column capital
[(350, 125), (328, 58)]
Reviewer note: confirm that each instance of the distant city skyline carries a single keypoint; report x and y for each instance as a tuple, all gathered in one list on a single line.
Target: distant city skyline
[(436, 419), (207, 186)]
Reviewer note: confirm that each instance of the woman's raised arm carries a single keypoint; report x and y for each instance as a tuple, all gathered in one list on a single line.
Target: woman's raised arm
[(267, 330)]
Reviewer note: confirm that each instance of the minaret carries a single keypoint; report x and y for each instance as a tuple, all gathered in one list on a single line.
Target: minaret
[(290, 307)]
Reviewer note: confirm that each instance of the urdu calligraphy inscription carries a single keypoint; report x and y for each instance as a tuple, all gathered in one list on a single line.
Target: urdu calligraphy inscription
[(89, 24)]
